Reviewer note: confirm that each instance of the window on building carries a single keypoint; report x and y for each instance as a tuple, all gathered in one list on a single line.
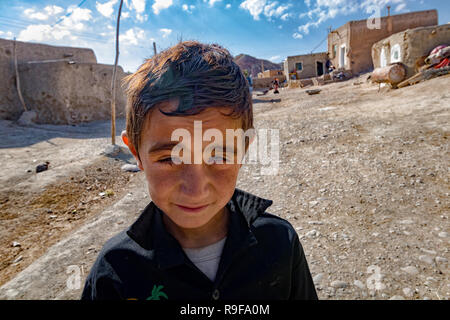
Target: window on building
[(299, 66), (396, 54), (342, 57), (334, 51)]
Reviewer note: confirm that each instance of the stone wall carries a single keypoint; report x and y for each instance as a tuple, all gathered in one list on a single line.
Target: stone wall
[(411, 45), (69, 93)]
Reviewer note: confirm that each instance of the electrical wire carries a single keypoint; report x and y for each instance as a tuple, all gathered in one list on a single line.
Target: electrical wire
[(68, 14), (20, 24)]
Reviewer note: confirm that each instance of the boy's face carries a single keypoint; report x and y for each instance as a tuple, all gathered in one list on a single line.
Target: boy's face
[(190, 194)]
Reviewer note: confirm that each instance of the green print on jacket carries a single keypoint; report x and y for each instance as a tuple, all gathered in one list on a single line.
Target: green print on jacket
[(157, 293)]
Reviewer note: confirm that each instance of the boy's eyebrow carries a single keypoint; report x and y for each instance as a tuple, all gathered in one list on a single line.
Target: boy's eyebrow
[(160, 146)]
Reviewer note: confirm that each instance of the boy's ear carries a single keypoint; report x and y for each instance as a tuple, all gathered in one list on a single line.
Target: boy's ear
[(132, 149)]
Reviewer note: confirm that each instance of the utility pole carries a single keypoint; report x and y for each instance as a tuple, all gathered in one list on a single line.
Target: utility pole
[(113, 82)]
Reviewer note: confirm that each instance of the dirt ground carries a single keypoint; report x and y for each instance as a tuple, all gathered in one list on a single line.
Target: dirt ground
[(38, 209), (363, 177)]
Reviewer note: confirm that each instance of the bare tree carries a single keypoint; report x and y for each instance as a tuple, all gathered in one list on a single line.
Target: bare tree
[(113, 82), (19, 90)]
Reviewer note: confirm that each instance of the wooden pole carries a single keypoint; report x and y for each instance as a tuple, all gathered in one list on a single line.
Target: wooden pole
[(392, 74), (19, 91), (113, 82), (154, 48)]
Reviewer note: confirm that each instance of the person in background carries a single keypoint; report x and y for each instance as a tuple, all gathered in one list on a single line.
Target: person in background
[(249, 80)]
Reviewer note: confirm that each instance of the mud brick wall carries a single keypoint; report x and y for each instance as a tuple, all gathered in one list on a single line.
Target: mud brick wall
[(413, 43), (360, 39), (10, 107), (309, 64), (70, 93)]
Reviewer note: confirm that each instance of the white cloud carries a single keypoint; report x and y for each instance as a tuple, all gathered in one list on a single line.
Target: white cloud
[(255, 7), (274, 10), (323, 10), (274, 58), (43, 15), (267, 8), (141, 17), (297, 35), (212, 2), (285, 16), (53, 10), (6, 35), (32, 14), (400, 7), (228, 6), (139, 5), (132, 36), (106, 9), (61, 31), (76, 19), (161, 5), (188, 8), (165, 32), (43, 32)]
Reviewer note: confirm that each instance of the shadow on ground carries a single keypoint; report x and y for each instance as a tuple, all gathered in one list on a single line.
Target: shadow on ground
[(16, 136), (266, 100)]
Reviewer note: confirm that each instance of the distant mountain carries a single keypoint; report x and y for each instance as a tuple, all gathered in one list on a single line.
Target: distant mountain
[(253, 65)]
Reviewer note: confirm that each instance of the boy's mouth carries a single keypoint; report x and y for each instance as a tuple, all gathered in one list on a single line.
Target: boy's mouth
[(192, 208)]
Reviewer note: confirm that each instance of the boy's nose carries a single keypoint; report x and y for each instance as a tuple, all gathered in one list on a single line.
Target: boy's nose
[(195, 182)]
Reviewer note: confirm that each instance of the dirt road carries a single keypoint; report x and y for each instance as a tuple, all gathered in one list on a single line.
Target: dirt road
[(363, 177)]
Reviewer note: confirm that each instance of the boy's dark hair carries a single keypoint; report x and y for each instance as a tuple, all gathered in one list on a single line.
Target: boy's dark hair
[(199, 75)]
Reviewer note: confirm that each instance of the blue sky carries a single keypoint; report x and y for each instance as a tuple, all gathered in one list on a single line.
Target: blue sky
[(269, 29)]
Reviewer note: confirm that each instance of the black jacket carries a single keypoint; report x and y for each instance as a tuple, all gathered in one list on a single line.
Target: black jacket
[(262, 259)]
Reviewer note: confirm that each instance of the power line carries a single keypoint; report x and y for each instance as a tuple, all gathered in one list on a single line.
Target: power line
[(319, 44), (82, 35), (25, 23), (68, 14)]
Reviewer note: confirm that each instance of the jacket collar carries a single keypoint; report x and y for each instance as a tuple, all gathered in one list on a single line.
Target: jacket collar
[(150, 233), (249, 205)]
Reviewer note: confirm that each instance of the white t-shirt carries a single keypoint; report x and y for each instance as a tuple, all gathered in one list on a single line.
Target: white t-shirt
[(207, 258)]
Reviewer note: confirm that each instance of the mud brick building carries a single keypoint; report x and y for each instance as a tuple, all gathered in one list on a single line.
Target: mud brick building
[(305, 66), (63, 85), (410, 45), (350, 46)]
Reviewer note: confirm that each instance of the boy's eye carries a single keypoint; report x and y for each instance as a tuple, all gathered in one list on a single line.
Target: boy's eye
[(167, 160), (221, 158), (217, 160)]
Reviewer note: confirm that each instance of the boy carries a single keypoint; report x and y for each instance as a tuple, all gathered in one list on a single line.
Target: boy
[(200, 238)]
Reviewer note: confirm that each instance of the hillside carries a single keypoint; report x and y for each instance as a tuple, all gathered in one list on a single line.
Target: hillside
[(253, 65)]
